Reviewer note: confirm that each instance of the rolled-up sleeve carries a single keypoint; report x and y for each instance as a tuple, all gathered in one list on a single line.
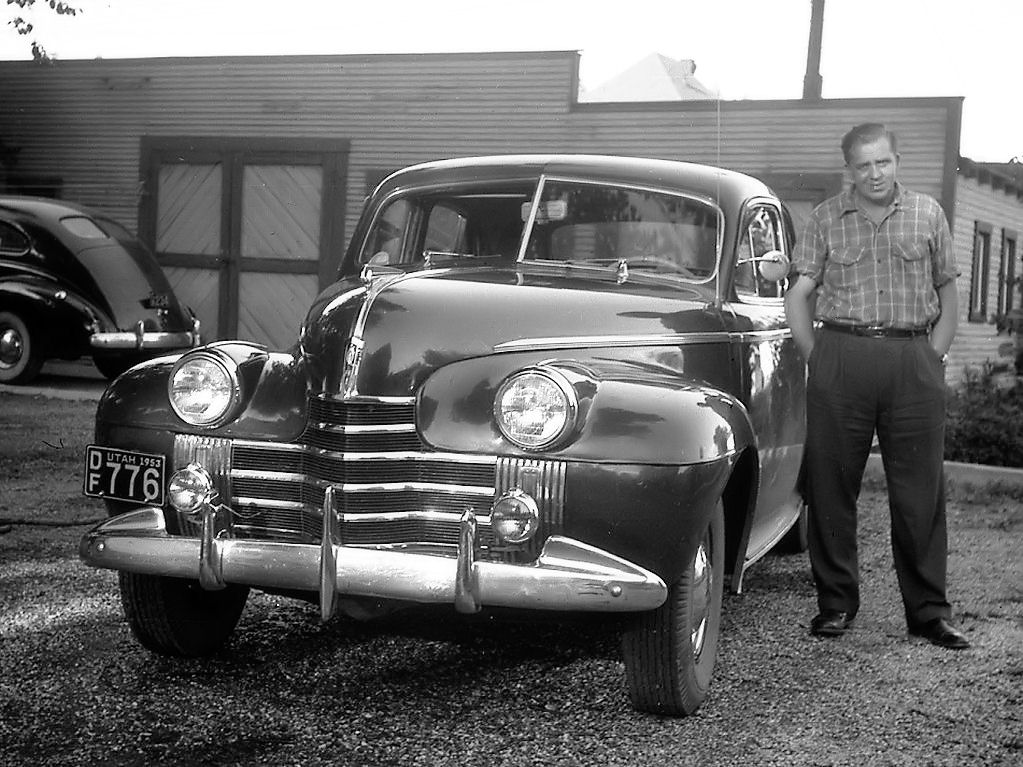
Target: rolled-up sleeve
[(944, 268), (811, 249)]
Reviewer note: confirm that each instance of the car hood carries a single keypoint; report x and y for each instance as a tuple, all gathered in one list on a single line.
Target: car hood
[(413, 324)]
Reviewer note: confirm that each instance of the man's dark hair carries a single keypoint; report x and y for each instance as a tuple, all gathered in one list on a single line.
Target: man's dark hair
[(864, 133)]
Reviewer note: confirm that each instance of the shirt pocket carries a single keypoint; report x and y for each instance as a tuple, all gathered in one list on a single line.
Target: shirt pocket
[(914, 250), (841, 268)]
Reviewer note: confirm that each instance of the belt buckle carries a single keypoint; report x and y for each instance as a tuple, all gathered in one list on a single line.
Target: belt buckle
[(874, 330)]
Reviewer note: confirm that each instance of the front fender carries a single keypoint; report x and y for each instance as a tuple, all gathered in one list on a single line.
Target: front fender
[(64, 316), (272, 406), (630, 415)]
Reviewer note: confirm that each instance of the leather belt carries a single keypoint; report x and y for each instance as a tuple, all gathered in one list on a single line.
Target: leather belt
[(876, 331)]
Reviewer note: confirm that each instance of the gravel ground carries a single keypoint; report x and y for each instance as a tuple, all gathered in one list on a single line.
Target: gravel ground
[(436, 690)]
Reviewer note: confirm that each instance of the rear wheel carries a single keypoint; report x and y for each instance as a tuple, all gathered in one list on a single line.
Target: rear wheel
[(670, 652), (174, 616), (20, 355)]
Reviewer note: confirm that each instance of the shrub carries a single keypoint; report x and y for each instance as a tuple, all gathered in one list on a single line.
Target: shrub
[(985, 421)]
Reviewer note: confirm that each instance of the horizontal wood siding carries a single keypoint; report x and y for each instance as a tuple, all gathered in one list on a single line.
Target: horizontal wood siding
[(82, 120), (977, 342), (769, 137)]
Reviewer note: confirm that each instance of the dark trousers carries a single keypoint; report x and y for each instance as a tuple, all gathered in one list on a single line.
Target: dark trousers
[(895, 387)]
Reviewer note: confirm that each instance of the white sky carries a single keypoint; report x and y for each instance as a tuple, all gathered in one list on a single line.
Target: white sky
[(743, 48)]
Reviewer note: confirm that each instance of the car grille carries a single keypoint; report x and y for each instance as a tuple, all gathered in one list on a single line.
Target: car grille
[(394, 490)]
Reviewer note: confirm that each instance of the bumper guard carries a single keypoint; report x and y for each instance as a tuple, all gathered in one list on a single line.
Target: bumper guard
[(143, 339)]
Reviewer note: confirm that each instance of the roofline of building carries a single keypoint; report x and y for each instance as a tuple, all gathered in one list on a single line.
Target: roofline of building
[(711, 105), (987, 175), (310, 58)]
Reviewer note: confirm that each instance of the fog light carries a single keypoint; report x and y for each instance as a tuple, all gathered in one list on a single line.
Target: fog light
[(514, 517), (190, 488)]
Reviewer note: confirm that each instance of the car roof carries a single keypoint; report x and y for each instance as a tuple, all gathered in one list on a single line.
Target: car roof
[(43, 208), (709, 181)]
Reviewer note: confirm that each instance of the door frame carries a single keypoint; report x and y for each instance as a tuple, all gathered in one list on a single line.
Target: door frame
[(234, 153)]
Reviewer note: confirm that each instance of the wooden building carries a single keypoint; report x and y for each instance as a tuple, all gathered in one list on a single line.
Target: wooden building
[(246, 174)]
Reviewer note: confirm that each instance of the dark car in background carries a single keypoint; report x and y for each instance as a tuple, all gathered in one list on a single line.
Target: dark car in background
[(541, 385), (76, 283)]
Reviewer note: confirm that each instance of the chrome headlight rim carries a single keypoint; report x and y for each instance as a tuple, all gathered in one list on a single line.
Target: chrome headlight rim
[(230, 370), (571, 400)]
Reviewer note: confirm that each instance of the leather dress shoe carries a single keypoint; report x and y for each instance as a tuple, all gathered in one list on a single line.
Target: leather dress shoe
[(831, 623), (940, 632)]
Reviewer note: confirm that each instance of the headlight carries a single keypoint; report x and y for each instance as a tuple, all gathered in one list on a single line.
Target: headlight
[(535, 409), (204, 389)]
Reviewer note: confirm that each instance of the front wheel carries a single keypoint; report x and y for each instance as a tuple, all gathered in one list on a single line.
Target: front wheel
[(173, 616), (670, 652)]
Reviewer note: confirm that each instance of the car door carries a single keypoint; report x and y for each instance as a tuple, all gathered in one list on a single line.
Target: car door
[(772, 369)]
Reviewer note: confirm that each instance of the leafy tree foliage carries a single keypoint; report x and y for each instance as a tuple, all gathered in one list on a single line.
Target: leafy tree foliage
[(24, 27)]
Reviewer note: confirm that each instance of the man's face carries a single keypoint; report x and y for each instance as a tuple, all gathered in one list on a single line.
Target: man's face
[(874, 167)]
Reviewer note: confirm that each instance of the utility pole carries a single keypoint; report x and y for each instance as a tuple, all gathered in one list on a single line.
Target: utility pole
[(812, 82)]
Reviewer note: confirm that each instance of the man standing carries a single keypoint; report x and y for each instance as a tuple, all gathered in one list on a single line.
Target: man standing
[(876, 262)]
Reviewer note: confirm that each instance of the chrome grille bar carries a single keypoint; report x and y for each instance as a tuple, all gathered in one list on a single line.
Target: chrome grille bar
[(389, 489)]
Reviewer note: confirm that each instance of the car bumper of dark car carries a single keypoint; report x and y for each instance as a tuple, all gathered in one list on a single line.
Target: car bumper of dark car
[(136, 340), (567, 575)]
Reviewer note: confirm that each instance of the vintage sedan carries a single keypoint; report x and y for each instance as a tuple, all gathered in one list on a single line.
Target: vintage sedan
[(554, 384), (75, 283)]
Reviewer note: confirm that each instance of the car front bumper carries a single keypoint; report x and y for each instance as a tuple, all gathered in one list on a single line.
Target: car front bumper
[(568, 574)]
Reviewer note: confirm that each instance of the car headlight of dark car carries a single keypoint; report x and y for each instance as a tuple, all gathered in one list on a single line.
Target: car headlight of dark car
[(204, 388), (536, 408)]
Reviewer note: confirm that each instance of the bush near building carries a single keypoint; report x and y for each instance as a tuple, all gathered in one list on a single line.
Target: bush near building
[(985, 420)]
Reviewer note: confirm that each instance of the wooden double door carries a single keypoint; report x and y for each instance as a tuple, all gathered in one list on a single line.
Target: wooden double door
[(248, 231)]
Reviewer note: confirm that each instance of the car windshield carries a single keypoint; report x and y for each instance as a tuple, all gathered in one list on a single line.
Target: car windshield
[(588, 223), (577, 223)]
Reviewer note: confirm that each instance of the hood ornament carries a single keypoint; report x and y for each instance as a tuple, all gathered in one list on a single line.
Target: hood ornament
[(622, 275)]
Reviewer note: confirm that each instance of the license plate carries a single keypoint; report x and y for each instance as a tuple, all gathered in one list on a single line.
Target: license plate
[(125, 475)]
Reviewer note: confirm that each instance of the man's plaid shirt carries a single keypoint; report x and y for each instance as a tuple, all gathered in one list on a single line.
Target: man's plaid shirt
[(884, 274)]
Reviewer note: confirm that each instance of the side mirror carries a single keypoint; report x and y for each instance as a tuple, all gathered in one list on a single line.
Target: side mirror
[(773, 266)]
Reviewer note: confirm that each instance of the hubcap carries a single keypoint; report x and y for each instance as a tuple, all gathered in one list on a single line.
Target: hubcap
[(12, 347), (702, 585)]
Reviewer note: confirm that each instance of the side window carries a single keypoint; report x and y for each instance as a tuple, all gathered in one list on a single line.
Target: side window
[(384, 244), (761, 239), (13, 241)]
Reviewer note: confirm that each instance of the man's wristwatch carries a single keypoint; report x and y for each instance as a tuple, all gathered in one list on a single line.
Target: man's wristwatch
[(944, 358)]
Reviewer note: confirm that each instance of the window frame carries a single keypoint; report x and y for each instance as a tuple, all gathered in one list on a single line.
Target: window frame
[(782, 225), (980, 271), (1007, 279)]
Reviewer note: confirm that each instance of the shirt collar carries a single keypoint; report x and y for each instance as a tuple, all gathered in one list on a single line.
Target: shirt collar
[(848, 198)]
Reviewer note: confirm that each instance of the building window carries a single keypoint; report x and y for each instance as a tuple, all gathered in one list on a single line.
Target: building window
[(979, 272), (1007, 273)]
